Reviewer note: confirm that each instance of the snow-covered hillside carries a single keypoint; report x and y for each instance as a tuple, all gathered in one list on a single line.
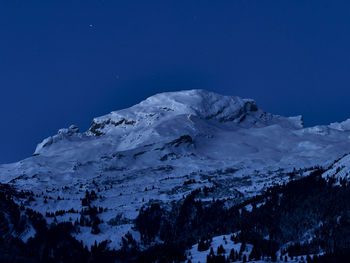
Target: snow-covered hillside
[(234, 251), (163, 148)]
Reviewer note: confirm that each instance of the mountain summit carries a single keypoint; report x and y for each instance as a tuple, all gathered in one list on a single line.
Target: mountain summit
[(169, 115), (197, 103)]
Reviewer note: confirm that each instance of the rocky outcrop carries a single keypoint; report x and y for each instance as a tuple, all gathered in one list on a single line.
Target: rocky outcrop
[(73, 130)]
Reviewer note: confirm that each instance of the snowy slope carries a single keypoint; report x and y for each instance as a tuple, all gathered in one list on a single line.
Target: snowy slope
[(225, 241), (339, 170), (164, 147)]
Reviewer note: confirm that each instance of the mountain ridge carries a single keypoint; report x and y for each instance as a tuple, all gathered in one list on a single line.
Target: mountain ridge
[(187, 104)]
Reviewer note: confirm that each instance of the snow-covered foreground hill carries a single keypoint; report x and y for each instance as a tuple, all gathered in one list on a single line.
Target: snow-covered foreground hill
[(233, 250), (162, 149)]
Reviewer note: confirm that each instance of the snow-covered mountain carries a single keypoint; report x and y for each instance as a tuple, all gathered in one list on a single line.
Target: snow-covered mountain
[(162, 149)]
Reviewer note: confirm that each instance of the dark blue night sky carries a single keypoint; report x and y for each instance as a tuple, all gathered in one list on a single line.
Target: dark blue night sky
[(64, 62)]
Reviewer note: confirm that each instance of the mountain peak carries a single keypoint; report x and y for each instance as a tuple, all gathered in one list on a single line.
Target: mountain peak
[(200, 103), (203, 103), (169, 115), (196, 103)]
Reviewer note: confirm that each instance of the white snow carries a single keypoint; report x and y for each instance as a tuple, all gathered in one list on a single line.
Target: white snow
[(340, 170), (201, 256)]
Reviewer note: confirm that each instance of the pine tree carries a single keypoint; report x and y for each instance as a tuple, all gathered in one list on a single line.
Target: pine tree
[(203, 245), (220, 250), (232, 256)]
